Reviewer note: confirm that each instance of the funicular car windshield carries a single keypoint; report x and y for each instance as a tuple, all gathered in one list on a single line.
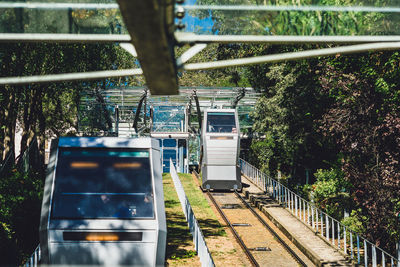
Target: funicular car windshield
[(101, 183), (221, 122)]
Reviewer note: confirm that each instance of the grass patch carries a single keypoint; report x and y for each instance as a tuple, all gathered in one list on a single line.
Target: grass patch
[(180, 250), (209, 223)]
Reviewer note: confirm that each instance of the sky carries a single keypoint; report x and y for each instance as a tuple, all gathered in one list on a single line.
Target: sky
[(194, 24)]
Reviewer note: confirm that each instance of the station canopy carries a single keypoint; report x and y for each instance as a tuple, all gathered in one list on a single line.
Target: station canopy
[(168, 111), (152, 31)]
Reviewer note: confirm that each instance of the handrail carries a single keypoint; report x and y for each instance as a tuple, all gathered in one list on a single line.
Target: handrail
[(334, 232), (34, 259), (6, 162), (194, 227)]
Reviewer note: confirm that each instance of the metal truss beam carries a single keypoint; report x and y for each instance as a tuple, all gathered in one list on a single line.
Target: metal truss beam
[(64, 38), (66, 77), (188, 54), (151, 25), (302, 8), (293, 56), (58, 6), (183, 37)]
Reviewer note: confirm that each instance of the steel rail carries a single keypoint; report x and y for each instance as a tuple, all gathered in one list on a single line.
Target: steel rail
[(284, 244), (240, 241)]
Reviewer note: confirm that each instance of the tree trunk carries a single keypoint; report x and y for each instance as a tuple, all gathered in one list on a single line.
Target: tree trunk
[(41, 136), (10, 118), (26, 118)]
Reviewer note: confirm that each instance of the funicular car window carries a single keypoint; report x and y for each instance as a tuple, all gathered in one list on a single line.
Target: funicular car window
[(221, 122), (103, 183)]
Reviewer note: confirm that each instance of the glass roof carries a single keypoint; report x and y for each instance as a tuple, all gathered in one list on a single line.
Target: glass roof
[(168, 111), (240, 18), (217, 17), (318, 18), (128, 97), (73, 17)]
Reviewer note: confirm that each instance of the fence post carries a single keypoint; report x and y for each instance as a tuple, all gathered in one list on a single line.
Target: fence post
[(398, 254), (338, 235), (358, 250), (312, 217), (327, 226), (351, 245), (287, 198), (291, 202), (333, 231), (344, 240)]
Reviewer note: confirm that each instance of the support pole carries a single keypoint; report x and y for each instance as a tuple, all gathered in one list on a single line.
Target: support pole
[(139, 107), (198, 109)]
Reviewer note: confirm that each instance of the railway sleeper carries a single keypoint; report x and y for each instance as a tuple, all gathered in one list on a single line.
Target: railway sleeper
[(260, 249), (241, 224)]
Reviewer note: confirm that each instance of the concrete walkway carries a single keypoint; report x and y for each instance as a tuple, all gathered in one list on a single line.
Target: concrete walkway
[(316, 249)]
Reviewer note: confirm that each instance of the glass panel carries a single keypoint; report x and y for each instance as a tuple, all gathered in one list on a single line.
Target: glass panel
[(182, 143), (168, 118), (61, 18), (103, 183), (160, 142), (169, 154), (283, 18), (222, 122), (169, 143), (194, 150), (166, 166)]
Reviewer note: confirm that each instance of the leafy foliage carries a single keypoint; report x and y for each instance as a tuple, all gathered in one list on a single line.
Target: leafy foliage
[(20, 204), (364, 122), (304, 23), (357, 222), (286, 115), (330, 192)]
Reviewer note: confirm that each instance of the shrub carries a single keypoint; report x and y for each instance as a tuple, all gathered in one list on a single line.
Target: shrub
[(356, 222), (330, 192), (20, 204)]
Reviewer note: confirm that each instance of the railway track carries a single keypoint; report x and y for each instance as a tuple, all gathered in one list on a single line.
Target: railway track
[(248, 250)]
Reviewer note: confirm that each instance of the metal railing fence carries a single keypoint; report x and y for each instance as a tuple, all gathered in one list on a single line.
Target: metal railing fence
[(34, 259), (7, 164), (30, 159), (338, 235), (194, 227)]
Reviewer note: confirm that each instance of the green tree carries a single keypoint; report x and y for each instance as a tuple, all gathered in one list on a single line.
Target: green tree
[(364, 122), (285, 116)]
